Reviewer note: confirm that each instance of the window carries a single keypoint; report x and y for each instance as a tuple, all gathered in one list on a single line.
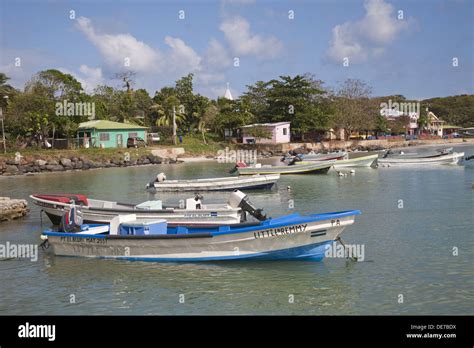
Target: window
[(104, 136), (133, 135), (284, 131)]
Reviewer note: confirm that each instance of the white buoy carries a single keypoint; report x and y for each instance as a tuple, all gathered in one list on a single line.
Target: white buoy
[(353, 171)]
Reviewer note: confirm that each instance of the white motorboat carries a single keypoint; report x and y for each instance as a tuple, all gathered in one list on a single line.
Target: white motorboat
[(190, 212), (363, 161), (318, 167), (253, 182), (446, 159)]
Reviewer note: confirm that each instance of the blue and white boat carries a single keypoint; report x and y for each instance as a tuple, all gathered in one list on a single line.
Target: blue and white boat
[(293, 236)]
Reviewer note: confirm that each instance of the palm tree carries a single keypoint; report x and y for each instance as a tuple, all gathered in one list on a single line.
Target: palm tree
[(169, 110), (5, 89)]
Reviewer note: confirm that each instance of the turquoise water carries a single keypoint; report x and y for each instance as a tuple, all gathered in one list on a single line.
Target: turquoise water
[(408, 251)]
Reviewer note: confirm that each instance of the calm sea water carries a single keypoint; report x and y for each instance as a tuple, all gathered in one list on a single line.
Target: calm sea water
[(408, 251)]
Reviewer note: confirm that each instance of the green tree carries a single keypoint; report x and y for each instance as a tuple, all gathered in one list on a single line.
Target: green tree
[(300, 100), (354, 109)]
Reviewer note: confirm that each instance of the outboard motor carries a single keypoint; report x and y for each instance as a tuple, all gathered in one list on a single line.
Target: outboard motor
[(71, 221), (295, 159), (238, 199), (238, 165)]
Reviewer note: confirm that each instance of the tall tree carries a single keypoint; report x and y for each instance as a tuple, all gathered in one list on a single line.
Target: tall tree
[(354, 109)]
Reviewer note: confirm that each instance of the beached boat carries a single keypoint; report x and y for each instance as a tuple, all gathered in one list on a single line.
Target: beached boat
[(306, 168), (292, 236), (315, 157), (253, 182), (364, 161), (192, 212), (451, 158)]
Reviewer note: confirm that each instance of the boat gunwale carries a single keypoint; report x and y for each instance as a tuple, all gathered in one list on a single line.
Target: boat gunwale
[(224, 209)]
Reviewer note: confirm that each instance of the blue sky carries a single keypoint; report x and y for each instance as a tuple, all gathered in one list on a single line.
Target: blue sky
[(412, 56)]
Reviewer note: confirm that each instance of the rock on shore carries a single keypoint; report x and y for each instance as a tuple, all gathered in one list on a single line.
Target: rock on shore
[(62, 163), (12, 208)]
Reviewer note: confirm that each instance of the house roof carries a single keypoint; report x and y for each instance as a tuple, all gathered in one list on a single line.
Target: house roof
[(276, 124), (104, 124)]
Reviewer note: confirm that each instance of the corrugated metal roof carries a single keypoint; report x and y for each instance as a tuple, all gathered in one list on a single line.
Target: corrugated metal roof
[(104, 124)]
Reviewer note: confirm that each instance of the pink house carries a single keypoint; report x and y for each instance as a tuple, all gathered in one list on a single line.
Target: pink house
[(278, 133)]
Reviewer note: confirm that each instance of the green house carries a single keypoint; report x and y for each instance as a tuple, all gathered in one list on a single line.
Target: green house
[(105, 134)]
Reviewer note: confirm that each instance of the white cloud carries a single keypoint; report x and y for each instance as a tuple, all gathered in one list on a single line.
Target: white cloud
[(115, 49), (217, 56), (242, 42), (153, 65), (367, 37), (183, 57), (89, 77)]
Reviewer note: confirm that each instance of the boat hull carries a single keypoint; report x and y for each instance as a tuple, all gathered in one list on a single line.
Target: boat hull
[(324, 157), (298, 168), (449, 159), (365, 161), (297, 240), (255, 182)]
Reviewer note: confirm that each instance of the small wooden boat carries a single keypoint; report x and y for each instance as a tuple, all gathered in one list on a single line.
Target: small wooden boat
[(253, 182), (191, 212), (290, 237), (404, 155), (306, 168), (315, 157), (364, 161), (451, 158)]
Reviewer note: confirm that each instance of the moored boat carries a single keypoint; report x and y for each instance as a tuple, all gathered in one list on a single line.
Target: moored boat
[(192, 212), (292, 236), (306, 168), (446, 159), (363, 161), (315, 157), (253, 182)]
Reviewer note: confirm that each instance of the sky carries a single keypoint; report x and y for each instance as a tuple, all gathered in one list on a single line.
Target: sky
[(417, 48)]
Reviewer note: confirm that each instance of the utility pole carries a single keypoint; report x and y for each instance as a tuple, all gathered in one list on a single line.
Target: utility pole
[(3, 131), (174, 125), (3, 126)]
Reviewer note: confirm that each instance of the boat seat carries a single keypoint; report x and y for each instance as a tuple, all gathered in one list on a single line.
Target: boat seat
[(119, 219)]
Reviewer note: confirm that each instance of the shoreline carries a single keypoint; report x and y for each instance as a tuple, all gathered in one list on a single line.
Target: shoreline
[(42, 163)]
